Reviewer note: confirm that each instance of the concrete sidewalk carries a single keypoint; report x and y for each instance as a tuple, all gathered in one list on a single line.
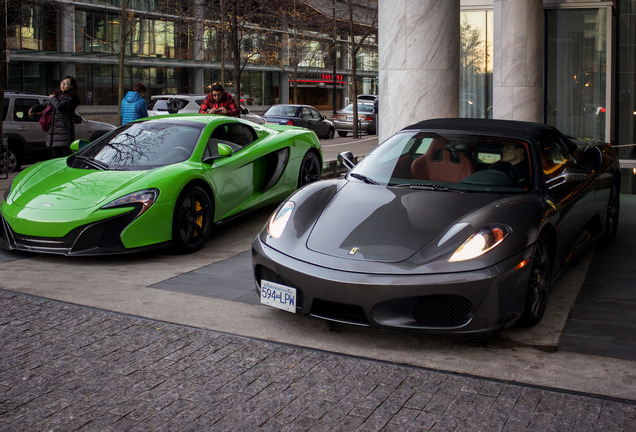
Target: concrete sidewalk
[(67, 368)]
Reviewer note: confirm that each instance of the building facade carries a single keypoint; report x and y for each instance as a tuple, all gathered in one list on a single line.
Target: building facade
[(175, 46), (568, 63)]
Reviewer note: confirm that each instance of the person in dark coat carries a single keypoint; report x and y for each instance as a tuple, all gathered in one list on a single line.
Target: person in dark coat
[(62, 131), (133, 105)]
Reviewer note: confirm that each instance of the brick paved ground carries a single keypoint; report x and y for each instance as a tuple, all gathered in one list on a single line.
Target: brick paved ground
[(64, 367)]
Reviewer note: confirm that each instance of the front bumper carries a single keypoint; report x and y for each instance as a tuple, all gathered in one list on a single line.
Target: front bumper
[(96, 238), (474, 303)]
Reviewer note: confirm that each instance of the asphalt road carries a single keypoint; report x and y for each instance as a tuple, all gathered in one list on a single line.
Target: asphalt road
[(176, 289)]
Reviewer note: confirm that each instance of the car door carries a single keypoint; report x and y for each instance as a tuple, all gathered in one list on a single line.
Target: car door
[(27, 128), (319, 126), (570, 189), (235, 177)]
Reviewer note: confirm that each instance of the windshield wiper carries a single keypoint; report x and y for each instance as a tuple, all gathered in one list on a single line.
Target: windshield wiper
[(430, 186), (93, 162), (363, 178)]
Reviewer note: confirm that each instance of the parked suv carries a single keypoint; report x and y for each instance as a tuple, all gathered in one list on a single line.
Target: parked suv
[(26, 139)]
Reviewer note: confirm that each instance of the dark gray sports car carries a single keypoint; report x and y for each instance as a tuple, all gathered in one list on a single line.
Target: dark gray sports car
[(451, 226)]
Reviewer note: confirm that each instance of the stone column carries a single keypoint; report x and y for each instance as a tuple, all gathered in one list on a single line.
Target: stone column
[(418, 62), (518, 60)]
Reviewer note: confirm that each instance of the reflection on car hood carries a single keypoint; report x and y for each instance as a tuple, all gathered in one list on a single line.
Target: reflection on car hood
[(368, 222), (56, 186)]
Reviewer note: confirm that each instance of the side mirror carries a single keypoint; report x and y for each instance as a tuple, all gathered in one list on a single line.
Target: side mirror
[(79, 144), (77, 119), (245, 111), (223, 151), (346, 159), (592, 158)]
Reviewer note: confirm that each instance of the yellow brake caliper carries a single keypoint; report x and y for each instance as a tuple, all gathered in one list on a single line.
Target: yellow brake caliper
[(199, 220)]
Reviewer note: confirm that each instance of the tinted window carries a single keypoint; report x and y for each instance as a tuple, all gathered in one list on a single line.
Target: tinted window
[(21, 109), (554, 157)]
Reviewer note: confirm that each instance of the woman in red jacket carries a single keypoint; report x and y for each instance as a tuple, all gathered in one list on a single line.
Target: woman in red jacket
[(219, 101)]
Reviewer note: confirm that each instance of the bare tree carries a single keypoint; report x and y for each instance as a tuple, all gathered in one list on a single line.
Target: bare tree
[(362, 22), (300, 39), (235, 21)]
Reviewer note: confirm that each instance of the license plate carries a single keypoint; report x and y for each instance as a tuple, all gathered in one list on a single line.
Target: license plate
[(349, 118), (278, 296)]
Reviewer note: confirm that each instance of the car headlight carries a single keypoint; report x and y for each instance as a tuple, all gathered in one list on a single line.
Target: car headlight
[(480, 242), (142, 200), (279, 220)]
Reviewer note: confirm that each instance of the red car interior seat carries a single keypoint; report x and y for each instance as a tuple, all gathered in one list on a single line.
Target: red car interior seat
[(443, 161)]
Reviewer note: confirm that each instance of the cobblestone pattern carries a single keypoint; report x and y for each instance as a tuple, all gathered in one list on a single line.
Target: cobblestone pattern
[(68, 368)]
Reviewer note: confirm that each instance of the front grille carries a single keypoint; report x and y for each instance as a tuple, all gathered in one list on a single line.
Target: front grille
[(443, 311), (104, 235), (268, 275)]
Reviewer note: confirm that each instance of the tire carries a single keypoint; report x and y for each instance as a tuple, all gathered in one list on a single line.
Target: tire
[(613, 210), (310, 169), (539, 283), (192, 220), (331, 133), (342, 133), (13, 161)]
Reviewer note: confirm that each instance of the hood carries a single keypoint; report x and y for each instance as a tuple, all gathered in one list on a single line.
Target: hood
[(58, 187), (367, 222), (132, 96)]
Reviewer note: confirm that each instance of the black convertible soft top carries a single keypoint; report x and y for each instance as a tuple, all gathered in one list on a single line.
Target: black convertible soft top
[(511, 128)]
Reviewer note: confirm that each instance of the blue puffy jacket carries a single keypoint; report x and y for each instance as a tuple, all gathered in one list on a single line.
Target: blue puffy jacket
[(133, 107)]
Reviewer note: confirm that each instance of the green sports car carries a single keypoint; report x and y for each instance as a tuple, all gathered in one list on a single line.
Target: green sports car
[(155, 183)]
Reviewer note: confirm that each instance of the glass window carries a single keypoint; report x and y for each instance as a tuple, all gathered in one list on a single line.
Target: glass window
[(21, 109), (626, 82), (475, 94), (576, 75), (145, 145)]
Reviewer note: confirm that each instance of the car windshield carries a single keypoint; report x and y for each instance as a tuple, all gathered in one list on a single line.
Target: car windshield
[(281, 110), (448, 161), (141, 145), (163, 104), (362, 108)]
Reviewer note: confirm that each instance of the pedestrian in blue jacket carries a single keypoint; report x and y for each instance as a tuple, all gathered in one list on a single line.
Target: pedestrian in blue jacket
[(133, 106)]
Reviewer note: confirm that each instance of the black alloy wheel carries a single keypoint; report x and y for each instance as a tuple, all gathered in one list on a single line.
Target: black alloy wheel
[(613, 209), (538, 284), (310, 169), (331, 133), (192, 221)]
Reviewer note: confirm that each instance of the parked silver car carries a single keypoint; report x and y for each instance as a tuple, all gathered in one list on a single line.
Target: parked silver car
[(367, 118), (25, 137), (189, 103)]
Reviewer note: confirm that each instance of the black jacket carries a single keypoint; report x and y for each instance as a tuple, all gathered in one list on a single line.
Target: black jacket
[(62, 131)]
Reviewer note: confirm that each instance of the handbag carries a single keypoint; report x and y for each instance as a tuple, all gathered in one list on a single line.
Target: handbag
[(46, 118)]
